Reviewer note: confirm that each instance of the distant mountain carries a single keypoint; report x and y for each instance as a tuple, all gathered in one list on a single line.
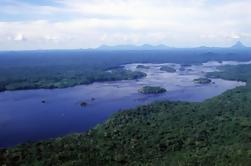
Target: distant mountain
[(134, 47), (239, 45)]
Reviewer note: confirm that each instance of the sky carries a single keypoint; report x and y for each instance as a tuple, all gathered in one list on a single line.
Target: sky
[(70, 24)]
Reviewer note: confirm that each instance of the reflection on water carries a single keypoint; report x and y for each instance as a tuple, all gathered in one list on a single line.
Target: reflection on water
[(25, 117)]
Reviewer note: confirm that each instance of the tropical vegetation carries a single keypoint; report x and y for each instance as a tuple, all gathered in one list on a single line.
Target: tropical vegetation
[(152, 90)]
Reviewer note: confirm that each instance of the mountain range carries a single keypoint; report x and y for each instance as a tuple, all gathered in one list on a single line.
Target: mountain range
[(237, 45)]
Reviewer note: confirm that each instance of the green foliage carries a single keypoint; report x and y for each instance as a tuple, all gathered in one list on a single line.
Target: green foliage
[(48, 78), (202, 80), (239, 73), (152, 90)]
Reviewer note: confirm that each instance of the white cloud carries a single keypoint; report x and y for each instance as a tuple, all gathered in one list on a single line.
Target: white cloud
[(81, 24), (19, 37)]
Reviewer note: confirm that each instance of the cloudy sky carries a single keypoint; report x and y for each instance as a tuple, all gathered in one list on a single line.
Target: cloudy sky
[(67, 24)]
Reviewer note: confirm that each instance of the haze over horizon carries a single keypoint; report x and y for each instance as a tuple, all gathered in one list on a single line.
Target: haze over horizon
[(70, 24)]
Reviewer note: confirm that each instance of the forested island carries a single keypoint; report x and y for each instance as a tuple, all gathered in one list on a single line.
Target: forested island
[(83, 104), (202, 80), (152, 90), (214, 132)]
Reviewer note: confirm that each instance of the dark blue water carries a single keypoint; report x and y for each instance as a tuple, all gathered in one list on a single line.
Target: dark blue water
[(25, 118)]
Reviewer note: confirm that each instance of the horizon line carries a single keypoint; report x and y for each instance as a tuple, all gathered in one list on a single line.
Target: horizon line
[(137, 47)]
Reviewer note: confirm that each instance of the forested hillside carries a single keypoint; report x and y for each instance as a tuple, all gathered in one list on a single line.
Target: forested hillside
[(215, 132)]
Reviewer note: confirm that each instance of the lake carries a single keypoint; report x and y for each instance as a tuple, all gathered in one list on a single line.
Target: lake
[(24, 117)]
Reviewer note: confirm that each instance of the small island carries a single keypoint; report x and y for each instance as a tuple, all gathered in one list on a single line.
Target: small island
[(202, 80), (142, 67), (152, 90), (83, 104), (167, 69)]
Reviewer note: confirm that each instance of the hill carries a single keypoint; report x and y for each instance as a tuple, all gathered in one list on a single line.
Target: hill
[(239, 45)]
